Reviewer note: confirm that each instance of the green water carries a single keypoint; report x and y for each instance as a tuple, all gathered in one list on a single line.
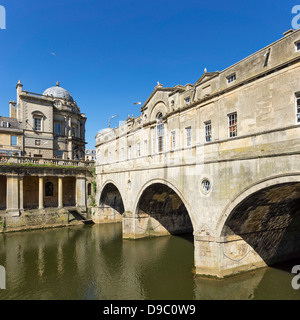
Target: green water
[(93, 262)]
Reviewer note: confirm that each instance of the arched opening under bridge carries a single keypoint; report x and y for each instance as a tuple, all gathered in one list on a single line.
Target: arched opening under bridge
[(111, 203), (161, 211), (268, 223)]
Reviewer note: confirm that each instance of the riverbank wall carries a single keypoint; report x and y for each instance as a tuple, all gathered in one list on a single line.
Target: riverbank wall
[(39, 219)]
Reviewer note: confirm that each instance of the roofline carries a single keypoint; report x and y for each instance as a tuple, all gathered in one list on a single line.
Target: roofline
[(153, 93), (263, 49)]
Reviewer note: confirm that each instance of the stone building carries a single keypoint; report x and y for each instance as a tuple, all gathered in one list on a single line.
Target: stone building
[(11, 137), (43, 183), (52, 122), (218, 158), (90, 155)]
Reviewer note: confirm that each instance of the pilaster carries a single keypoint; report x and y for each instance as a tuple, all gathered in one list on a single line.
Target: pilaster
[(12, 194), (81, 200)]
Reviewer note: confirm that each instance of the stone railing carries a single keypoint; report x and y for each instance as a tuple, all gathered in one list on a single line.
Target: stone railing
[(29, 161)]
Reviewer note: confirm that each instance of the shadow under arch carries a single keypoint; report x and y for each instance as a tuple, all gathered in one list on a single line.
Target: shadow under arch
[(266, 217), (162, 210), (111, 202)]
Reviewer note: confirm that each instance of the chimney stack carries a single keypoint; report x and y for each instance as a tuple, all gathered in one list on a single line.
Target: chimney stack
[(12, 110)]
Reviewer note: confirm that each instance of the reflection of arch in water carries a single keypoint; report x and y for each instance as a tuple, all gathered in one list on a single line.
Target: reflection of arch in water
[(266, 219), (163, 210)]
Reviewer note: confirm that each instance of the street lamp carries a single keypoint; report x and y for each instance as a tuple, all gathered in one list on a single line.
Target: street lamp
[(109, 119)]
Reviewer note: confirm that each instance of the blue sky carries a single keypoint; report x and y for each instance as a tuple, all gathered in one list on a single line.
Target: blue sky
[(110, 54)]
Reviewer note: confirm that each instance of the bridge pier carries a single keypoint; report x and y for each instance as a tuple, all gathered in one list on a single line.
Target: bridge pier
[(142, 225), (106, 214), (222, 257), (230, 255)]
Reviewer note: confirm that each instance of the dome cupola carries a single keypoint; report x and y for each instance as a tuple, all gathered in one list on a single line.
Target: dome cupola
[(58, 92)]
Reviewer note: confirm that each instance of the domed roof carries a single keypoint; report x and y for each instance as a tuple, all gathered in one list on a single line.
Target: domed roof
[(58, 92)]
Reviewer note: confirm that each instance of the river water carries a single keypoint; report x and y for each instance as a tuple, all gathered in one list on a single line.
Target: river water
[(94, 263)]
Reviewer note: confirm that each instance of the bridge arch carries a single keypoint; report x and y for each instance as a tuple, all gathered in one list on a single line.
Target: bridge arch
[(163, 208), (265, 218), (111, 201)]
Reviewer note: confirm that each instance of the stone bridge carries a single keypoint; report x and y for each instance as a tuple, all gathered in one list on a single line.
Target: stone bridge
[(248, 219), (219, 159)]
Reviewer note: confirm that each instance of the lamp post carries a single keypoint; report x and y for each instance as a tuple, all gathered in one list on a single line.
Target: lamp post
[(109, 119)]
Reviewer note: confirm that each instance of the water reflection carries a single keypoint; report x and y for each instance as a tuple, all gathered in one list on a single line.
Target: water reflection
[(93, 262)]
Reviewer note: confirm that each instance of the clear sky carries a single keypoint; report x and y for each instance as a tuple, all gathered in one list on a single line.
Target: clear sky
[(110, 54)]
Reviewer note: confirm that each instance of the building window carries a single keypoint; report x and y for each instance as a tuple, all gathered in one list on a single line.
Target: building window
[(232, 119), (57, 129), (231, 78), (187, 100), (138, 150), (5, 124), (173, 140), (153, 139), (37, 142), (188, 132), (206, 186), (37, 124), (14, 141), (49, 189), (60, 154), (146, 147), (297, 44), (89, 189), (208, 131), (160, 133), (298, 107)]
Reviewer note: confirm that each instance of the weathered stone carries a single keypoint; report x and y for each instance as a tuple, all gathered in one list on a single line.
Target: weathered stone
[(226, 151)]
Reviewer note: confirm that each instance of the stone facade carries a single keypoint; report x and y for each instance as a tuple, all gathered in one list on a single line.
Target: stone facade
[(11, 137), (90, 155), (42, 190), (223, 152), (52, 122)]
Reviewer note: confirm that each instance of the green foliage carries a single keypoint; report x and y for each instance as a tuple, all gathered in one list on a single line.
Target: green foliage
[(93, 201), (94, 187), (38, 165)]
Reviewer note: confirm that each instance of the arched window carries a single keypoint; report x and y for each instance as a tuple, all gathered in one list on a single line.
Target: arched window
[(38, 119), (49, 189), (89, 189), (160, 132)]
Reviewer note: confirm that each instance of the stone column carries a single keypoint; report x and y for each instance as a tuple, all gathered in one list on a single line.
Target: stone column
[(12, 194), (81, 201), (70, 149), (21, 196), (41, 192), (60, 192), (69, 127)]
